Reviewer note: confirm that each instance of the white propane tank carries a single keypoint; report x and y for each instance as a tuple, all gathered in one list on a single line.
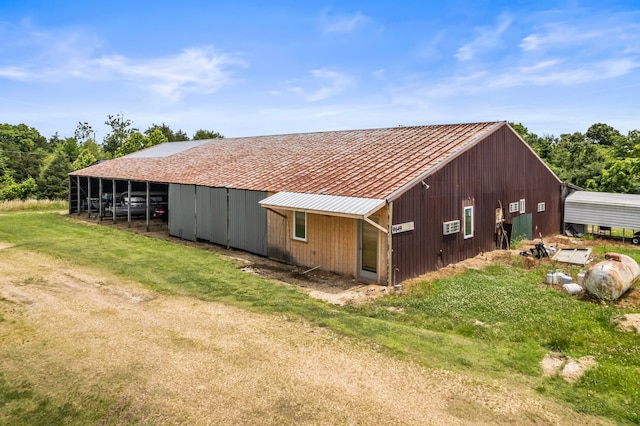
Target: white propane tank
[(611, 278)]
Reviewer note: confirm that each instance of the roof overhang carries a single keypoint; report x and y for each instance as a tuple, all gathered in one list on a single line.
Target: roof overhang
[(330, 205)]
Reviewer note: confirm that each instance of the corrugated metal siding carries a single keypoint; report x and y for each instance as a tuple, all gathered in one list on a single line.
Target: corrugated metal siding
[(182, 217), (247, 221), (499, 168), (219, 216), (204, 224), (586, 213)]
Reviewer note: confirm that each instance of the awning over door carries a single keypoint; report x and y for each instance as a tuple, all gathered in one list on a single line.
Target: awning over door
[(331, 205)]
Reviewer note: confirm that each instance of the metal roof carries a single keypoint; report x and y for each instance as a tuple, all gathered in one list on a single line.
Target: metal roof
[(603, 209), (334, 205), (377, 163), (166, 149), (607, 198)]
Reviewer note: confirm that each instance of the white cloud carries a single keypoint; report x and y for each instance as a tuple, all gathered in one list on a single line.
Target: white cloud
[(549, 73), (337, 82), (342, 24), (379, 74), (325, 84), (67, 55), (486, 39), (195, 70)]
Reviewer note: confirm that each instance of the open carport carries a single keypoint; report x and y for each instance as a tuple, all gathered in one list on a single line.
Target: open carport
[(602, 209), (102, 197)]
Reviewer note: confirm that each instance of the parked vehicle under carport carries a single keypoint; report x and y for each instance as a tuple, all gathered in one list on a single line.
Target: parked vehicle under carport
[(136, 204)]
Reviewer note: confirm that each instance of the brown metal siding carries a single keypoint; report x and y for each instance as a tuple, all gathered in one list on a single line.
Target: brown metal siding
[(499, 168)]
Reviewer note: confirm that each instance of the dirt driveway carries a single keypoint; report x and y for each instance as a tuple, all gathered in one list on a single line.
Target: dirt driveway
[(182, 360)]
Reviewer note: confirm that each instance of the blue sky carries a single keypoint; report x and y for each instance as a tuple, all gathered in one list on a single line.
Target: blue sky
[(256, 67)]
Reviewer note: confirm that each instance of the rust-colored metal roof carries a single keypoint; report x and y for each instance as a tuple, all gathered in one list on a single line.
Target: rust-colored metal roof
[(357, 163)]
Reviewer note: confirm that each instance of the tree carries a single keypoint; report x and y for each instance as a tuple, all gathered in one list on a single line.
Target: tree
[(167, 132), (602, 134), (156, 138), (53, 182), (12, 190), (135, 142), (120, 130), (70, 148), (206, 134), (83, 131), (85, 159), (22, 149), (578, 160), (622, 176)]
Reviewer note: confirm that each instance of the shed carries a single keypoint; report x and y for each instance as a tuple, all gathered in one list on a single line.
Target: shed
[(383, 205), (603, 209)]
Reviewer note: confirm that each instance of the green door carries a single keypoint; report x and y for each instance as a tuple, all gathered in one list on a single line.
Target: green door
[(522, 227)]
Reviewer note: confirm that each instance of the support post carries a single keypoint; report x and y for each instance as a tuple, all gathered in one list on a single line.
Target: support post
[(78, 196), (100, 206), (148, 208), (129, 204), (113, 199), (89, 197)]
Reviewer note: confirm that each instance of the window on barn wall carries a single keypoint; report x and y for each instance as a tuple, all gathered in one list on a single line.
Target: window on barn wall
[(541, 207), (514, 207), (300, 226), (468, 222), (522, 206)]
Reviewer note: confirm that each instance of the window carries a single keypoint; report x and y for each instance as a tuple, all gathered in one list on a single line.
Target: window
[(300, 226), (541, 207), (514, 207), (522, 207), (468, 222), (451, 227)]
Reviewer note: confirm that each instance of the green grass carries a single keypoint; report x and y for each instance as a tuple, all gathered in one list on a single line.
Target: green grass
[(496, 322)]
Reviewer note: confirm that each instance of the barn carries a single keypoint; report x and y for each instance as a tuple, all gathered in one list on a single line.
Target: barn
[(382, 205)]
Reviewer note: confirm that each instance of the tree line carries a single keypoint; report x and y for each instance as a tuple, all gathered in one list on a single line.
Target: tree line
[(601, 159), (32, 166)]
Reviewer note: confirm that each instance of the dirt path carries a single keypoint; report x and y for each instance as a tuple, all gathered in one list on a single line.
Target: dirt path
[(186, 361)]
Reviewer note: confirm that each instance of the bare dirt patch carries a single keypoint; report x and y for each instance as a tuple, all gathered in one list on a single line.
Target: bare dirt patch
[(630, 323), (182, 360), (570, 369)]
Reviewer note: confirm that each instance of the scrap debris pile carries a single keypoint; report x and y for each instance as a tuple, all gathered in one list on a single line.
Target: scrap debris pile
[(607, 280)]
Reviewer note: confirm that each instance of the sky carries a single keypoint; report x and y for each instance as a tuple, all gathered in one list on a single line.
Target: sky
[(247, 68)]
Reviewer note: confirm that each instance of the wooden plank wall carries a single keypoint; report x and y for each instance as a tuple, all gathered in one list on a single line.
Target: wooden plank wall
[(332, 242)]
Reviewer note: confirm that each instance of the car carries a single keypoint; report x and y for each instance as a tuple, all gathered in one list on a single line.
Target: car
[(636, 238), (161, 213), (136, 203)]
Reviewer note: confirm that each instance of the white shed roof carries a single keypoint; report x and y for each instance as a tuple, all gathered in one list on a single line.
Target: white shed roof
[(333, 205), (603, 209)]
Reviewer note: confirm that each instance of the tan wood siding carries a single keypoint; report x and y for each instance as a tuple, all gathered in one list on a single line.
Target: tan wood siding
[(332, 242)]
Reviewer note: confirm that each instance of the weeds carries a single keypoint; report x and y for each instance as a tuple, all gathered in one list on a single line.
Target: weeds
[(33, 205)]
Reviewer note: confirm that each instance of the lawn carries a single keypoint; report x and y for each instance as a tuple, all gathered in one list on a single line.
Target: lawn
[(497, 322)]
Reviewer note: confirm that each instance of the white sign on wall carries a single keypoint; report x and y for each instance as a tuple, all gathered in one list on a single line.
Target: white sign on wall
[(402, 227)]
